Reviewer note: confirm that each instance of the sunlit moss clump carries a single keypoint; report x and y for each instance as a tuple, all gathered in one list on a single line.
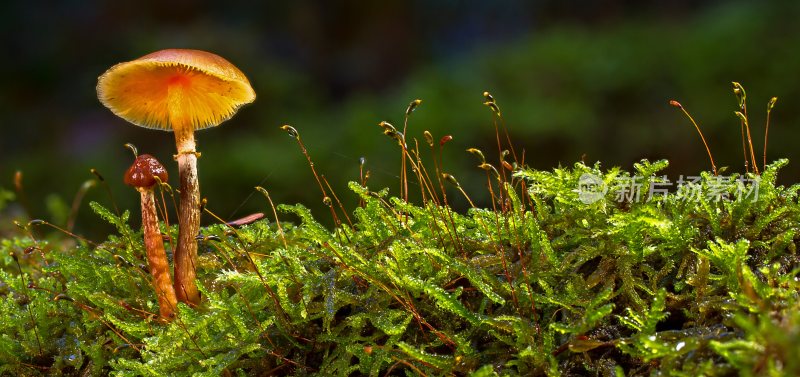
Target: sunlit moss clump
[(700, 280)]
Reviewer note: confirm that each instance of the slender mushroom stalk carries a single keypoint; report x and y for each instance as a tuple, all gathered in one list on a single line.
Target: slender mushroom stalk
[(142, 176), (188, 217), (181, 91), (189, 188)]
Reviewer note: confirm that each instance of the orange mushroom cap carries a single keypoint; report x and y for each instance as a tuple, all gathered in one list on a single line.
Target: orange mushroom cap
[(201, 88)]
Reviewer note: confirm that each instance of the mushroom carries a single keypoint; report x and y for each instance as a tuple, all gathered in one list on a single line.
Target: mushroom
[(181, 91), (142, 175)]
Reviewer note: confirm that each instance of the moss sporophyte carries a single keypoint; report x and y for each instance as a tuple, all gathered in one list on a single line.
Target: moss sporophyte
[(577, 270)]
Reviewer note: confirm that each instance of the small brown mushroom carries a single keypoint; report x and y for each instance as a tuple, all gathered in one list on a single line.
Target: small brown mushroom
[(181, 91), (142, 175)]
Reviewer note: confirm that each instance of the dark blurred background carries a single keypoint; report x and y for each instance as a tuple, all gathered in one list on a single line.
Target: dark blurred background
[(574, 79)]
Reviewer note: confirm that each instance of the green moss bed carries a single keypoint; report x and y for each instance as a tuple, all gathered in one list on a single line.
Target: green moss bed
[(575, 271)]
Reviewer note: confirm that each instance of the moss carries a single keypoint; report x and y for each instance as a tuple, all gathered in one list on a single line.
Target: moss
[(571, 272)]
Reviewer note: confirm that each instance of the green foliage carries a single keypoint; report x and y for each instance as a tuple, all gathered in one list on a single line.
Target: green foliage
[(575, 271), (702, 280)]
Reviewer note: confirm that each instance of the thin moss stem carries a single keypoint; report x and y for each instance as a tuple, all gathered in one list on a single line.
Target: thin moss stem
[(708, 150)]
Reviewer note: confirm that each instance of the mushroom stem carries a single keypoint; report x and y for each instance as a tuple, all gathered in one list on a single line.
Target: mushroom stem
[(156, 256), (188, 217)]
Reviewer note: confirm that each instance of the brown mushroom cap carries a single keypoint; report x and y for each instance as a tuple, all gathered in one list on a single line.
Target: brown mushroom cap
[(143, 171), (200, 88)]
